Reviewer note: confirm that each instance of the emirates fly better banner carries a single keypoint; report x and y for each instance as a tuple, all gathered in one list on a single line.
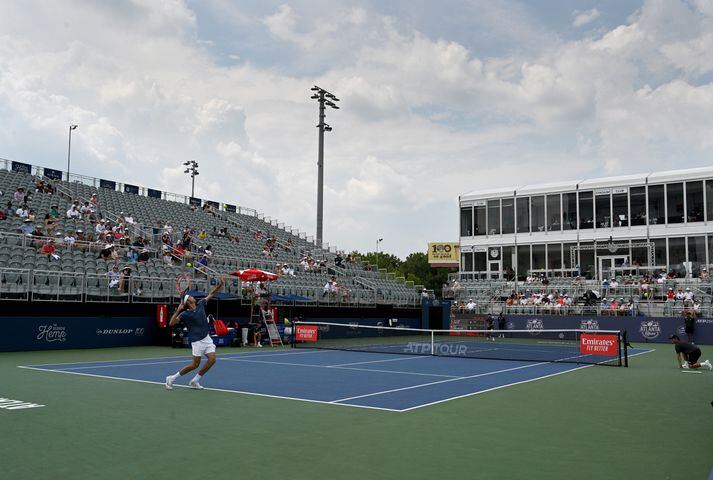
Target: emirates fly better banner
[(306, 333), (598, 344)]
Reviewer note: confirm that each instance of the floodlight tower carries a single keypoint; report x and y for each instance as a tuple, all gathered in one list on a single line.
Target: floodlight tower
[(69, 148), (192, 169), (325, 99)]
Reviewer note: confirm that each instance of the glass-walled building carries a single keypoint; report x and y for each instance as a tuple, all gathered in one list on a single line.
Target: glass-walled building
[(658, 221)]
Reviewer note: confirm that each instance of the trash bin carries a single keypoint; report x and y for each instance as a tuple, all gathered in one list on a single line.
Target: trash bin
[(244, 332)]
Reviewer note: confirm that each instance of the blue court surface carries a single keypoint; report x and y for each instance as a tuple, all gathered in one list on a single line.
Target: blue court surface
[(389, 382)]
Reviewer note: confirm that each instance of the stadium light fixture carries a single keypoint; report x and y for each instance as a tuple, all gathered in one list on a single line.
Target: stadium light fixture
[(325, 99), (378, 241), (192, 169), (69, 148)]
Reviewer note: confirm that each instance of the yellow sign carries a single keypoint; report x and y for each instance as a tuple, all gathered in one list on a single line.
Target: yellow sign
[(443, 254)]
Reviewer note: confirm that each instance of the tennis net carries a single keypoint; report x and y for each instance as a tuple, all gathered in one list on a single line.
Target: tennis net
[(600, 347)]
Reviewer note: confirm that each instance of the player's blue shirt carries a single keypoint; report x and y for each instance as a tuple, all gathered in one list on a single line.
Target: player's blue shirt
[(196, 321)]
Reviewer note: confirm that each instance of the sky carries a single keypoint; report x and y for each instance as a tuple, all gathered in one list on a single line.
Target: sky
[(437, 99)]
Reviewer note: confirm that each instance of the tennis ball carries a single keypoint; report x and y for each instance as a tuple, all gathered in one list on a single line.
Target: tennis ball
[(189, 264)]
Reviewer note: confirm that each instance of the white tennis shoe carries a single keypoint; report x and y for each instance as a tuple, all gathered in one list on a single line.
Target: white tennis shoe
[(707, 364), (195, 384), (169, 382), (685, 365)]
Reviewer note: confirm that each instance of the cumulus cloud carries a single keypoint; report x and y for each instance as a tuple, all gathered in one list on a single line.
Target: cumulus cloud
[(424, 117), (583, 18)]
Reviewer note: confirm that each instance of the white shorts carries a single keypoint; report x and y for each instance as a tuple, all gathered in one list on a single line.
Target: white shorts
[(203, 347)]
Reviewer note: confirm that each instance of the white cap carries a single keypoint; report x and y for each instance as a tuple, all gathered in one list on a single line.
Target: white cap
[(185, 298)]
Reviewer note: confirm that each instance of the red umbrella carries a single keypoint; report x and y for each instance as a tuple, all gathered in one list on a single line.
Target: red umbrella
[(254, 275)]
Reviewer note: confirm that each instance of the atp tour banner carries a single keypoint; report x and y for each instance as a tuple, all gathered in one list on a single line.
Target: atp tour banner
[(638, 329), (443, 254), (54, 333)]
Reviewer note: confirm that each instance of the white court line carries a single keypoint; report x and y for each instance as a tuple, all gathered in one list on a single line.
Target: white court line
[(337, 367), (413, 357), (253, 353), (211, 389), (507, 385), (121, 365), (440, 381)]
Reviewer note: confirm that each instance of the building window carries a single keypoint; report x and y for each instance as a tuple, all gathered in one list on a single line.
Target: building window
[(493, 217), (479, 259), (508, 267), (674, 202), (676, 254), (709, 200), (657, 215), (523, 215), (508, 215), (694, 201), (480, 226), (569, 262), (466, 221), (660, 252), (569, 211), (638, 205), (554, 257), (697, 254), (538, 213), (586, 260), (603, 209), (538, 257), (466, 260), (639, 257), (586, 211), (553, 213), (620, 210), (523, 260)]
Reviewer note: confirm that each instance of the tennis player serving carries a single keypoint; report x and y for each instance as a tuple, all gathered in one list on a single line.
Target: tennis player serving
[(193, 316), (687, 354)]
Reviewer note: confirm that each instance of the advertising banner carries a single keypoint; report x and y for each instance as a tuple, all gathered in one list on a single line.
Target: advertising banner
[(53, 333), (444, 254), (306, 333), (593, 344)]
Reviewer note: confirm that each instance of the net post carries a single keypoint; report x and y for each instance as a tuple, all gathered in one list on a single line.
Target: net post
[(626, 348), (433, 349)]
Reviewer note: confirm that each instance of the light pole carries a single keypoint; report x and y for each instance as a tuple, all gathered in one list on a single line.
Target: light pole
[(323, 97), (192, 169), (378, 241), (69, 148)]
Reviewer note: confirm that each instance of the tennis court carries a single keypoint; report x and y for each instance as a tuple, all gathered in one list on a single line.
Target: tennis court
[(600, 422), (360, 376)]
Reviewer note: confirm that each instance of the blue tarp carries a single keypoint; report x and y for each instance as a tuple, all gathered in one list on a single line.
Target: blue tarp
[(290, 297), (217, 296)]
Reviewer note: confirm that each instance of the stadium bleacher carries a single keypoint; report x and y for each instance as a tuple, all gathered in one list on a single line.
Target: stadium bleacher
[(236, 240)]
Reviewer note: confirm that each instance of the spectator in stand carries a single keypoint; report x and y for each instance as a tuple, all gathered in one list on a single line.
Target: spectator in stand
[(288, 246), (604, 305), (26, 228), (49, 249), (202, 234), (19, 195), (70, 239), (113, 276), (704, 275), (37, 233), (471, 306), (94, 200), (203, 264), (208, 250), (85, 209), (50, 223), (22, 212), (73, 212), (670, 295), (338, 260), (129, 219), (108, 252), (124, 279), (688, 295), (166, 239), (32, 215), (9, 210)]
